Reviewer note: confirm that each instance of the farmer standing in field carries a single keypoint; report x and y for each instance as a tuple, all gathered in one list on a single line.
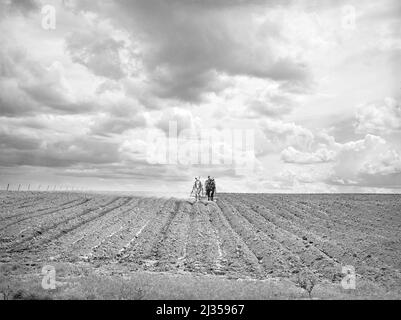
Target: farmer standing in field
[(207, 187), (210, 186), (197, 189), (212, 189)]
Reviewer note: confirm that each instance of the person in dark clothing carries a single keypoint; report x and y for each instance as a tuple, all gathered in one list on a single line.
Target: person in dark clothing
[(210, 186), (212, 189), (207, 187)]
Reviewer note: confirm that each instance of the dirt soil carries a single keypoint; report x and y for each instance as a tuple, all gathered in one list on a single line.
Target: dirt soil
[(239, 237)]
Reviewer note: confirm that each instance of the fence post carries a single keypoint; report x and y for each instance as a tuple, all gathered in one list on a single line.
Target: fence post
[(29, 186), (19, 186), (8, 186)]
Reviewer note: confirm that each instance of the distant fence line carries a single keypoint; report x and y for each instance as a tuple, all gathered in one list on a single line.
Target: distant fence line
[(48, 187)]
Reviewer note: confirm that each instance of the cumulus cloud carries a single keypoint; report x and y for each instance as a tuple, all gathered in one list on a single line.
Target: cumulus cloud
[(384, 117), (181, 118), (292, 155), (276, 107), (298, 180), (28, 86), (282, 134), (386, 163), (108, 85), (363, 161)]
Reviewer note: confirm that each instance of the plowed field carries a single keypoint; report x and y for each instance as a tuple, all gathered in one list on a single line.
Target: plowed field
[(240, 236)]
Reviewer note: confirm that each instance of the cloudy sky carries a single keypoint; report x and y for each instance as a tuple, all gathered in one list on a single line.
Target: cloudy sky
[(318, 82)]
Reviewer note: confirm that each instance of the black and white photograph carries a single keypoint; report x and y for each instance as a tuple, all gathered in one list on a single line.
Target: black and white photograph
[(203, 150)]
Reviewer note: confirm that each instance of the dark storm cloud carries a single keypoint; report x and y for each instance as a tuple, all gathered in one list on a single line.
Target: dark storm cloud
[(190, 46), (117, 125), (17, 151), (17, 142), (213, 4), (97, 52), (24, 5), (20, 100), (118, 117), (19, 6), (186, 45), (275, 106), (13, 101), (52, 100)]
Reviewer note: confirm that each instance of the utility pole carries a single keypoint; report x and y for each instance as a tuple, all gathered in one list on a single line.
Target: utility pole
[(19, 186), (29, 186), (8, 186)]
